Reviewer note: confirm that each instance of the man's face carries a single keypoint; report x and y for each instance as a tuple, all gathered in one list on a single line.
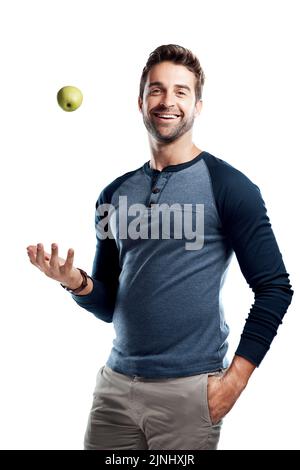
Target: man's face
[(169, 92)]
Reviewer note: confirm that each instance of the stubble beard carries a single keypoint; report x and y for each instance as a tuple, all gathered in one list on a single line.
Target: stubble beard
[(177, 131)]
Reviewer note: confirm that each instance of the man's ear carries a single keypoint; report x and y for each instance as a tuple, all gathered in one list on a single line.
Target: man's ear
[(140, 104), (198, 107)]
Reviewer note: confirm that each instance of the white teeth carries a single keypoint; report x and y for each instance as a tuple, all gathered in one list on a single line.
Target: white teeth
[(168, 116)]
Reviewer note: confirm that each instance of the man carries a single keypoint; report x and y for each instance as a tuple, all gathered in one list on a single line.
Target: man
[(167, 383)]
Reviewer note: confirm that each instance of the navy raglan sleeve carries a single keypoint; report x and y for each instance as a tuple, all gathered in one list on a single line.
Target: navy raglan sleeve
[(248, 230), (105, 272)]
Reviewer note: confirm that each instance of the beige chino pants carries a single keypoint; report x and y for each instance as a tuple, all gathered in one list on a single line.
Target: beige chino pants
[(136, 413)]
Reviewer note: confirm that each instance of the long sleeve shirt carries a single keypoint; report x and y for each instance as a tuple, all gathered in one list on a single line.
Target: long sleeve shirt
[(162, 291)]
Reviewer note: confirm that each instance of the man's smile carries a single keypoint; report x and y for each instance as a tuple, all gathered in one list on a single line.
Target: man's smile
[(166, 116)]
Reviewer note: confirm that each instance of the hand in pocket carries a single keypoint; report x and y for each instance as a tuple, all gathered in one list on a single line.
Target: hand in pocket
[(220, 397)]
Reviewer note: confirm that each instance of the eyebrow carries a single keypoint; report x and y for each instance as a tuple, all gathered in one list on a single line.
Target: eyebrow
[(178, 85)]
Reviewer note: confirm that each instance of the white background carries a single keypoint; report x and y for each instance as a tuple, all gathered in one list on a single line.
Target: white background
[(54, 165)]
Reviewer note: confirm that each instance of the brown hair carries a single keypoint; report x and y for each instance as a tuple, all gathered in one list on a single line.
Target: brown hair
[(177, 55)]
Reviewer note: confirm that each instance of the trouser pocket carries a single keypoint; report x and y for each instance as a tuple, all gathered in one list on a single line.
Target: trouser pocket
[(217, 373)]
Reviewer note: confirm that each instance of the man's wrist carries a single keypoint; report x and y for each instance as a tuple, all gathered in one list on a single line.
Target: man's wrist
[(75, 280), (239, 372), (88, 289)]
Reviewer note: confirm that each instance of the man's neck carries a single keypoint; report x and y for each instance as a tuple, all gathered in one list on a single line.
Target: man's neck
[(163, 155)]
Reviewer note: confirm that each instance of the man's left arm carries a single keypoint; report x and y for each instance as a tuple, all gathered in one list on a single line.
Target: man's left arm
[(248, 230)]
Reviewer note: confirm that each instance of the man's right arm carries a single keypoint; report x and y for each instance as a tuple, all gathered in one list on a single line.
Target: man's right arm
[(100, 294)]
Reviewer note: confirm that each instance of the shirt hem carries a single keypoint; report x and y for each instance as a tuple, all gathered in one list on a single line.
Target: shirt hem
[(169, 373)]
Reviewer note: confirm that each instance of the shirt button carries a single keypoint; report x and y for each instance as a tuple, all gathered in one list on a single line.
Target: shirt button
[(155, 190)]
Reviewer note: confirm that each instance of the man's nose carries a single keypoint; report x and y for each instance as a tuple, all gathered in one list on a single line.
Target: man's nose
[(167, 100)]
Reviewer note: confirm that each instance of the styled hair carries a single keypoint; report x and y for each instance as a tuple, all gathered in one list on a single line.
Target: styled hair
[(177, 55)]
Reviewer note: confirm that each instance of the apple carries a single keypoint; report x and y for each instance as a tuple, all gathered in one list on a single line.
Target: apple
[(69, 98)]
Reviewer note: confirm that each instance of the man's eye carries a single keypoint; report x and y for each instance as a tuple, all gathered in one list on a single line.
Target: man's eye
[(158, 90)]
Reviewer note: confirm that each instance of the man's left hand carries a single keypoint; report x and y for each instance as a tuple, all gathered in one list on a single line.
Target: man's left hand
[(222, 392)]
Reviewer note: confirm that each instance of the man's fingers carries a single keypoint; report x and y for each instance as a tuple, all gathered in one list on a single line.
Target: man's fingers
[(40, 256), (54, 256), (31, 251), (70, 259)]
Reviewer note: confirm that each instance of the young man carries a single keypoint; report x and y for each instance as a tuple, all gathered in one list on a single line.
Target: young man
[(167, 383)]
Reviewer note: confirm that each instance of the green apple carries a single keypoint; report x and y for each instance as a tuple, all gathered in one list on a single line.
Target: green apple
[(69, 98)]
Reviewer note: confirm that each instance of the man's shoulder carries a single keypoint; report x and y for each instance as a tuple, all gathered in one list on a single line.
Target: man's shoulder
[(224, 176), (235, 193), (223, 172)]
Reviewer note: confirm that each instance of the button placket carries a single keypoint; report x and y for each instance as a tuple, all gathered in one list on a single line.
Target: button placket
[(157, 187)]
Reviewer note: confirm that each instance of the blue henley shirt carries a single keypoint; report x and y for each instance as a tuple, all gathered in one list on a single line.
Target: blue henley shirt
[(164, 298)]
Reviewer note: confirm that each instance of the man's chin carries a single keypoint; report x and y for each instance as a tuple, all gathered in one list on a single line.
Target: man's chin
[(167, 139), (165, 136), (162, 134)]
